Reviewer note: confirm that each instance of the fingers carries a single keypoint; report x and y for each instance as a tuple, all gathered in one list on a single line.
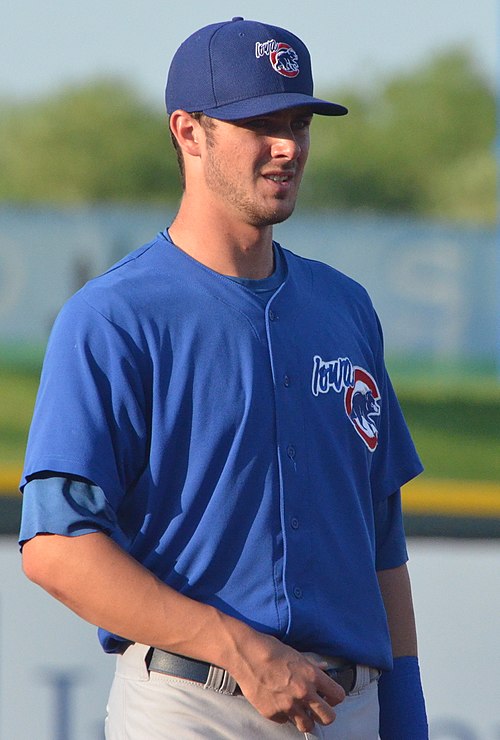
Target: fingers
[(330, 690), (303, 721), (315, 707), (321, 711), (304, 716), (327, 688), (284, 685)]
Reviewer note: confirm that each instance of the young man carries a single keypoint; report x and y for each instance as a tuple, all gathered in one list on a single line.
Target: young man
[(214, 464)]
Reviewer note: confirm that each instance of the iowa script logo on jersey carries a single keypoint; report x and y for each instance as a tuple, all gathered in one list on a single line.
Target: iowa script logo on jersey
[(361, 394), (284, 59)]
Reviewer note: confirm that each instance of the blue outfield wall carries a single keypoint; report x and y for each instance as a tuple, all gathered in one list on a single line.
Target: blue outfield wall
[(433, 284)]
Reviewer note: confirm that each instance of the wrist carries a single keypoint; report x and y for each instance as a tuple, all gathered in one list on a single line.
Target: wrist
[(234, 639)]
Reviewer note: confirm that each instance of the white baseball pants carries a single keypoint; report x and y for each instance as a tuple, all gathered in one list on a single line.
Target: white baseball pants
[(154, 706)]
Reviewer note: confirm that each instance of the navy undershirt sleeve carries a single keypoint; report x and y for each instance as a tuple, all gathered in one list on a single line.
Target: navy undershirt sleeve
[(60, 505)]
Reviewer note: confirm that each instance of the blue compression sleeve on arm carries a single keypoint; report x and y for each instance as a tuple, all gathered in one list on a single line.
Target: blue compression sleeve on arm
[(57, 504), (402, 704)]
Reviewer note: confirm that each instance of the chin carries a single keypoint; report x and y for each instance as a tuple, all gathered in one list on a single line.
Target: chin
[(276, 216)]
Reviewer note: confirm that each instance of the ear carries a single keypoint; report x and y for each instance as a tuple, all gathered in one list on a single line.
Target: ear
[(186, 130)]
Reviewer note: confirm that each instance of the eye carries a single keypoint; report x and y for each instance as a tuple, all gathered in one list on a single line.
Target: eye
[(302, 124), (257, 124)]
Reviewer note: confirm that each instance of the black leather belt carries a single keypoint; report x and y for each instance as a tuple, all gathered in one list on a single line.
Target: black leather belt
[(177, 665), (161, 661)]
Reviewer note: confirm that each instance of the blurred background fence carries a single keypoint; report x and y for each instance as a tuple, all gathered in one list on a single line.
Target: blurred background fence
[(434, 284)]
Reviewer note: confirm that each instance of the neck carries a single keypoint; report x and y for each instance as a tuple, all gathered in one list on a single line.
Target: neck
[(229, 247)]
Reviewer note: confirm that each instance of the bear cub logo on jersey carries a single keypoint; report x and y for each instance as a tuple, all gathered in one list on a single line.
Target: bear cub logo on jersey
[(362, 405), (361, 394)]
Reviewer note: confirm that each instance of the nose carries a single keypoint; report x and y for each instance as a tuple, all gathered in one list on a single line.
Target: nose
[(286, 146)]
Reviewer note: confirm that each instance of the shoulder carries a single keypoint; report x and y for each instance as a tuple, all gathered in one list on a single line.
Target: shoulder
[(325, 280), (106, 309), (134, 286), (126, 283)]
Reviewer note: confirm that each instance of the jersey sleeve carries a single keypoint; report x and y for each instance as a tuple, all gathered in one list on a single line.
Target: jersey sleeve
[(390, 540), (90, 414)]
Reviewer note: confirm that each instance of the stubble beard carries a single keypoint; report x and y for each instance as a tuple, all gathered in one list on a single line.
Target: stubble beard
[(255, 213)]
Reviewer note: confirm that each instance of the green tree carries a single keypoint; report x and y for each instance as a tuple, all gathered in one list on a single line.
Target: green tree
[(98, 142), (422, 143)]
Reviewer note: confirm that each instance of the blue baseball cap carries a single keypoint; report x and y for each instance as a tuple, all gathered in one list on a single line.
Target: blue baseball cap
[(240, 69)]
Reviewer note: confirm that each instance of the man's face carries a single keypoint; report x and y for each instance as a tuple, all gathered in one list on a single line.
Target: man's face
[(253, 167)]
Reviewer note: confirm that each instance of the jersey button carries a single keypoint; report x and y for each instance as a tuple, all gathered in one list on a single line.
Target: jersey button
[(272, 315), (286, 380), (290, 451), (297, 592), (294, 522)]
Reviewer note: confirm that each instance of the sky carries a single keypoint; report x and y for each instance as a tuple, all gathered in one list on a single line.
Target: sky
[(47, 45)]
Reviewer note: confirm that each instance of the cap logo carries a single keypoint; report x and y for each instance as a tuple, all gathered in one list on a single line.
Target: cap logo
[(283, 57)]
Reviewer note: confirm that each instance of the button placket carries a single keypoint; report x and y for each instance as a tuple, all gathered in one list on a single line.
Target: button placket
[(290, 433)]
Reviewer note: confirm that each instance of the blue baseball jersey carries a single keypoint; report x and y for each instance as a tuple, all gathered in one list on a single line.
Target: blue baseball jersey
[(245, 451)]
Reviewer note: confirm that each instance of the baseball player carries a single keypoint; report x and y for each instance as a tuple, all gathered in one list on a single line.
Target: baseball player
[(214, 465)]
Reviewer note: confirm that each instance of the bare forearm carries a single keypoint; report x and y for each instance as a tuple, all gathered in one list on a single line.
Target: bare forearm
[(105, 586), (101, 583), (396, 593), (400, 694)]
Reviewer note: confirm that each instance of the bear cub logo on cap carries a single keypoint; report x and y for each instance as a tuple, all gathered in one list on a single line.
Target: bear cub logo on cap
[(284, 59)]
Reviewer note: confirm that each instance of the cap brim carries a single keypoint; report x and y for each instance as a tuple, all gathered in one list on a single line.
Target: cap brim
[(271, 103)]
